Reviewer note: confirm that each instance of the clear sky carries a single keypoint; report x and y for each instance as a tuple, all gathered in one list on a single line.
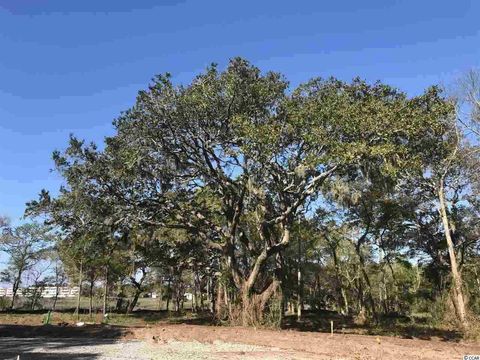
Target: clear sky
[(72, 66)]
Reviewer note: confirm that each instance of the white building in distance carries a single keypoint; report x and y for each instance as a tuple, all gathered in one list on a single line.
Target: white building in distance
[(47, 291)]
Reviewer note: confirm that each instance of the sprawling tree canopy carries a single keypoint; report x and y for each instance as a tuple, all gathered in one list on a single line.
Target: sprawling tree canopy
[(235, 162)]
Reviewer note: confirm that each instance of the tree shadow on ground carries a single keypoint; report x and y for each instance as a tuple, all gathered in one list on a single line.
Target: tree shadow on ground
[(45, 348), (400, 326), (171, 317), (55, 342), (54, 331)]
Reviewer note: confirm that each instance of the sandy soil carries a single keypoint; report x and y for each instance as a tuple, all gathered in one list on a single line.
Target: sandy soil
[(313, 345), (83, 349), (169, 341)]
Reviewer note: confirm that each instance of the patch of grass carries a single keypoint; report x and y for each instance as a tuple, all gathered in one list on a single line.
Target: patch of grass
[(399, 326), (69, 304), (135, 319)]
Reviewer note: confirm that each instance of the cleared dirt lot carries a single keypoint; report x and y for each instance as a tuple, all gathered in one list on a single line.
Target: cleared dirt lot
[(316, 345), (167, 341), (107, 349)]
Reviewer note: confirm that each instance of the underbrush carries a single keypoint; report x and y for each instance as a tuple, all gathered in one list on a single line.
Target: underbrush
[(420, 326)]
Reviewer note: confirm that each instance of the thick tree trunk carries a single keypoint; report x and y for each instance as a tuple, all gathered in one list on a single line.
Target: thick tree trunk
[(457, 288), (253, 305), (138, 289), (134, 301), (16, 285)]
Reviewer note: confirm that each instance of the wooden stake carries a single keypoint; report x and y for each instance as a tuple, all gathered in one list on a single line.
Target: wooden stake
[(331, 328)]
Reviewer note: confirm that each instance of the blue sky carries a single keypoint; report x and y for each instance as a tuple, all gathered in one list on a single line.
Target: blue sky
[(72, 66)]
